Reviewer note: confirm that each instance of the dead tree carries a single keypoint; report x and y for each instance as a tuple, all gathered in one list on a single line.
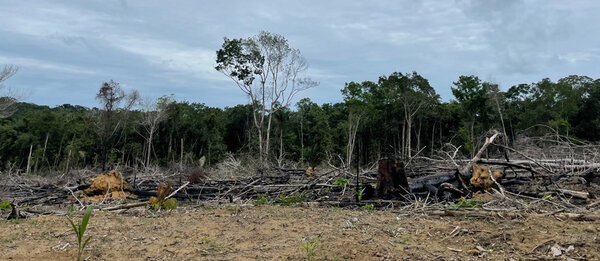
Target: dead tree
[(154, 112), (111, 97), (391, 179)]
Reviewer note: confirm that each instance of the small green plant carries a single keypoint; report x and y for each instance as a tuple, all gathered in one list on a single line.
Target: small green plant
[(465, 203), (80, 231), (341, 182), (360, 194), (309, 245), (5, 205), (548, 197), (290, 200), (159, 201), (403, 240), (368, 207), (210, 242), (263, 199)]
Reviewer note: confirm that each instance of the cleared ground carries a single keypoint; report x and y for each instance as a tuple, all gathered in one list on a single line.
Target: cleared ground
[(277, 232)]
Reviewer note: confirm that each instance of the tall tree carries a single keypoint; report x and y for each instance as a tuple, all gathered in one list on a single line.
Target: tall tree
[(415, 94), (154, 112), (268, 71), (112, 98), (472, 96)]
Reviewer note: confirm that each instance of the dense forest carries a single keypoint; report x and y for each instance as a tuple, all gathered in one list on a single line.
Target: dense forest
[(397, 115)]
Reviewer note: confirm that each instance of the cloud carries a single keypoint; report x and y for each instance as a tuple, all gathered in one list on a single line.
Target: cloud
[(24, 62), (176, 57), (161, 48)]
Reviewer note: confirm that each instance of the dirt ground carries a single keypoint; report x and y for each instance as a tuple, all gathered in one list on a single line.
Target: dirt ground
[(278, 232)]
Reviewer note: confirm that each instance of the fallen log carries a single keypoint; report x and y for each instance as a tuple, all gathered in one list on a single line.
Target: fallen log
[(512, 215), (419, 184)]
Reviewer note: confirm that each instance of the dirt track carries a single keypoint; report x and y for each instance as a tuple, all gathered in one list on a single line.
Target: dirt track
[(276, 232)]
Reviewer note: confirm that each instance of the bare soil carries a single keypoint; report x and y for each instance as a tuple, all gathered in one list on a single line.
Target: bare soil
[(277, 233)]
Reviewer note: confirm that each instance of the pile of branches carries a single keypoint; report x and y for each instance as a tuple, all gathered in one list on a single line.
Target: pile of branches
[(548, 174)]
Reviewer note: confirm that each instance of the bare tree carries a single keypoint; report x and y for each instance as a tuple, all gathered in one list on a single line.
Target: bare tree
[(353, 123), (154, 112), (268, 71), (7, 100), (113, 99)]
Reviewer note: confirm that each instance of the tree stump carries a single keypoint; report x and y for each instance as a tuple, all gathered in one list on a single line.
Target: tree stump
[(391, 179)]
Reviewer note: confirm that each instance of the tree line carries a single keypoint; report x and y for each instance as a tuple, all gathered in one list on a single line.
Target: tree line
[(398, 115)]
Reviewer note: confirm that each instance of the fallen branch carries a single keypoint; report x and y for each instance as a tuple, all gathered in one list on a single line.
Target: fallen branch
[(133, 205), (465, 170), (177, 190)]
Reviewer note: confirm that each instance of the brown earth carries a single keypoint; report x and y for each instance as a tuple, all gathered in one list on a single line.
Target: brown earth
[(277, 232)]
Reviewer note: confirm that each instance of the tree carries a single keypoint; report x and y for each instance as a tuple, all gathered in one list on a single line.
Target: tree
[(153, 113), (113, 99), (268, 71), (414, 93), (7, 101), (472, 96)]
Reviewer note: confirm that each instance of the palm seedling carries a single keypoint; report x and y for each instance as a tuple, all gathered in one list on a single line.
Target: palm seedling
[(80, 231)]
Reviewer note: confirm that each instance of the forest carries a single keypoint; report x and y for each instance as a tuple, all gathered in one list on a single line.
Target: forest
[(398, 115)]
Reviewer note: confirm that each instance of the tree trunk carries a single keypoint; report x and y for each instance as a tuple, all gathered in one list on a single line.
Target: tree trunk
[(473, 136), (432, 137), (301, 137), (391, 179), (403, 138), (29, 159), (408, 137), (268, 139), (149, 147), (44, 151), (181, 156), (419, 135)]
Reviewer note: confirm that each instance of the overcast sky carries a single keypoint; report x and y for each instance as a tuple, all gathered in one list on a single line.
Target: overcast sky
[(66, 49)]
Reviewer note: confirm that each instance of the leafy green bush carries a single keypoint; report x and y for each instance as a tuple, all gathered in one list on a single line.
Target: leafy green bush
[(80, 231)]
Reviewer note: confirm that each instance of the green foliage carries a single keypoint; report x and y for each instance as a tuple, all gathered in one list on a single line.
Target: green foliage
[(309, 246), (464, 203), (5, 205), (290, 200), (79, 231), (263, 199), (159, 202), (368, 207), (341, 182), (360, 194), (548, 197), (170, 204)]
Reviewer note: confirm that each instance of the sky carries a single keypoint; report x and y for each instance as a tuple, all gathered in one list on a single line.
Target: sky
[(66, 49)]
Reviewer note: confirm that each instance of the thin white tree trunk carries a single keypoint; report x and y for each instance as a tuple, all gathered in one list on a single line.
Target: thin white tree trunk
[(29, 159)]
